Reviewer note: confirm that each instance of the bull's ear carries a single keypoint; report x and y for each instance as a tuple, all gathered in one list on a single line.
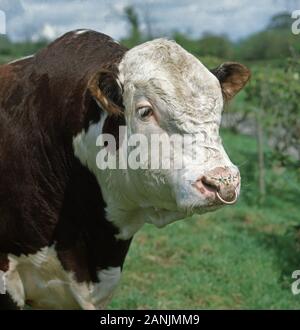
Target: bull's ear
[(233, 77), (107, 91)]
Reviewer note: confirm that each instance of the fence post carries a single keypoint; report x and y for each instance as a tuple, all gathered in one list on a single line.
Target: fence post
[(260, 156)]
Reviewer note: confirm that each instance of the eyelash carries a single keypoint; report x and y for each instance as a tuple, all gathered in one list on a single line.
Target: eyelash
[(144, 112)]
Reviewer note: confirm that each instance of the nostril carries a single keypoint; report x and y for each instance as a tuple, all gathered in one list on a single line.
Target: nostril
[(210, 183), (209, 187), (205, 186)]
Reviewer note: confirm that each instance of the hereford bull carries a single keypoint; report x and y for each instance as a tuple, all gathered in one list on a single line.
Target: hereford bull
[(65, 224)]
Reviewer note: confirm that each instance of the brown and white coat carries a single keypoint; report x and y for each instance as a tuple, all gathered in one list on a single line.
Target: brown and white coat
[(65, 226)]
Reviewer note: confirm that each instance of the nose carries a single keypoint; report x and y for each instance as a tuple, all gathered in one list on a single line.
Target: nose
[(224, 182)]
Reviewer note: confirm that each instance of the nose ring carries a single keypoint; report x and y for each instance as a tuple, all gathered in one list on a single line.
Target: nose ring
[(228, 202)]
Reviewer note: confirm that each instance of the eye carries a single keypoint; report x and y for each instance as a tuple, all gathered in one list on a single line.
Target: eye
[(144, 112)]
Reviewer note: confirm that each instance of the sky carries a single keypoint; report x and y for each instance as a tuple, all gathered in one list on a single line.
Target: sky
[(34, 19)]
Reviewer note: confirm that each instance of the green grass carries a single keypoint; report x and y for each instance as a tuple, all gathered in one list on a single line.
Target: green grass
[(5, 59), (238, 257)]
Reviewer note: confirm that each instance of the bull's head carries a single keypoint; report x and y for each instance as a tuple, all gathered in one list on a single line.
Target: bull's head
[(162, 89)]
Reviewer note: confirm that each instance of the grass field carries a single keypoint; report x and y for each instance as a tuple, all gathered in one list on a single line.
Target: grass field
[(238, 257)]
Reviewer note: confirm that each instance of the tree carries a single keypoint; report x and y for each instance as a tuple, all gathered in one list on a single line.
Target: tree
[(215, 45), (280, 21), (274, 94), (135, 36), (276, 41)]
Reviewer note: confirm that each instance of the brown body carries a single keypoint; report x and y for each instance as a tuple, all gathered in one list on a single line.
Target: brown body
[(46, 195)]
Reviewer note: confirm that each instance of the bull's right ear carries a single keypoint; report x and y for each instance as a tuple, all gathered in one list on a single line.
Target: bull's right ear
[(107, 92), (233, 77)]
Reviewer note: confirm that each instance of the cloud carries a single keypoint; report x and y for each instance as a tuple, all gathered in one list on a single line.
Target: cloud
[(32, 19)]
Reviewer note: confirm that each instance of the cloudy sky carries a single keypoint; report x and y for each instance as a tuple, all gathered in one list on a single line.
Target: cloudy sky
[(32, 19)]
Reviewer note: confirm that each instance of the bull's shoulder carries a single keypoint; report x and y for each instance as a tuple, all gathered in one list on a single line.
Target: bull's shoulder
[(12, 76), (51, 86), (44, 103)]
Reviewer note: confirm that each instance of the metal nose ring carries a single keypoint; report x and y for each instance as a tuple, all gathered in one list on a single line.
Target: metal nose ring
[(228, 202)]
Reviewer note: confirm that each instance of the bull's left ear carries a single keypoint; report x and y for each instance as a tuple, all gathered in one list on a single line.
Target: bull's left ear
[(233, 77), (106, 90)]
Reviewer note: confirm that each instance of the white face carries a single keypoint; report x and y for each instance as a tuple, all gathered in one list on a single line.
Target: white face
[(167, 90)]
